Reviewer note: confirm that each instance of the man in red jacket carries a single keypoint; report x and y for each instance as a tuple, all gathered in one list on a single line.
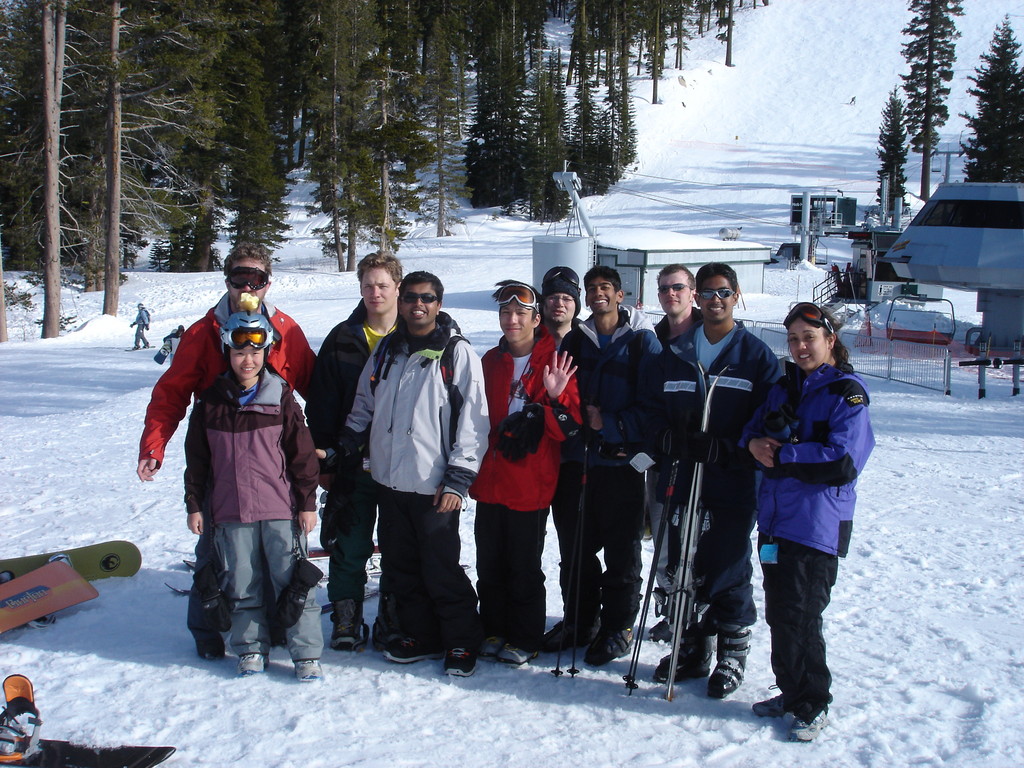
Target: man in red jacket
[(197, 362), (533, 405)]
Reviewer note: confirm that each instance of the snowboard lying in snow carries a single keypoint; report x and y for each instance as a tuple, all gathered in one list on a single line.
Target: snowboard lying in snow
[(95, 561), (20, 743), (53, 587)]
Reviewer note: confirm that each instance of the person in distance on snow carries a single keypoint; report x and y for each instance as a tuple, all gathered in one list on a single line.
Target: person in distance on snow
[(609, 348), (141, 325), (677, 386), (533, 406), (812, 436), (351, 508), (199, 360), (251, 476), (421, 408)]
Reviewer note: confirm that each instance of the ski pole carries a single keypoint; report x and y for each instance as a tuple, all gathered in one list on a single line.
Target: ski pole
[(574, 569), (630, 676), (685, 598)]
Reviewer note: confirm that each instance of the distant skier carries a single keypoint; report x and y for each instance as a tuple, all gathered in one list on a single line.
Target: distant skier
[(170, 344), (141, 325)]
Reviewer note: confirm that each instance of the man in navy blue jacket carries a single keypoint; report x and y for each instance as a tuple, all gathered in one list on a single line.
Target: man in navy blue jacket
[(676, 387), (609, 349)]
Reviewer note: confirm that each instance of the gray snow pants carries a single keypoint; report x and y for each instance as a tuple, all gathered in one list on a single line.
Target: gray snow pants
[(242, 547)]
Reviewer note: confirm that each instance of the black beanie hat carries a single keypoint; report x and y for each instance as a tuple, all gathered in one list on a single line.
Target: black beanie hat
[(562, 280)]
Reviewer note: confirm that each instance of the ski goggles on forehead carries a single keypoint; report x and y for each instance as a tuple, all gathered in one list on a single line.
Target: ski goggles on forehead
[(811, 314), (520, 293), (562, 273), (242, 277), (253, 337)]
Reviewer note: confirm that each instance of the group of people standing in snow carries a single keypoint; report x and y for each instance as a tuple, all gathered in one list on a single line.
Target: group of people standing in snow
[(406, 423)]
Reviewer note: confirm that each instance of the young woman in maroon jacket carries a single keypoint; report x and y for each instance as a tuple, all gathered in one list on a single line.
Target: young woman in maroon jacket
[(533, 404)]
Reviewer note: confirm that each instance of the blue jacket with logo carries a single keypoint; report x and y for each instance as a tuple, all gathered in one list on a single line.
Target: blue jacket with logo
[(674, 393), (809, 495)]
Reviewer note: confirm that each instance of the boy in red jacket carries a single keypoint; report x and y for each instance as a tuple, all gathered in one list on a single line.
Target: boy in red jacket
[(533, 405)]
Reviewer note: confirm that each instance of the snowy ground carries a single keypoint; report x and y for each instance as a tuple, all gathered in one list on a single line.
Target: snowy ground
[(925, 629)]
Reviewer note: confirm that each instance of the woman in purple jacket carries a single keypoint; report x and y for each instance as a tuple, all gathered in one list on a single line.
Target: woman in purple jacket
[(812, 437)]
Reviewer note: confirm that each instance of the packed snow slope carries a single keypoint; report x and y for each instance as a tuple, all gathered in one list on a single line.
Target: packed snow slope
[(925, 630)]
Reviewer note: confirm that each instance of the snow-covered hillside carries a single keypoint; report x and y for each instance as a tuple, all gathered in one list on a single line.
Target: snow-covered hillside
[(925, 630)]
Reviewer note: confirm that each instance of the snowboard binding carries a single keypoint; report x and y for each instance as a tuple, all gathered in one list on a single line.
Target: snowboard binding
[(19, 721)]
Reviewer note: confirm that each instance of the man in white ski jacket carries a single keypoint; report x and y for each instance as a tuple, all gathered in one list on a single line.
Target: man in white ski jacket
[(420, 406)]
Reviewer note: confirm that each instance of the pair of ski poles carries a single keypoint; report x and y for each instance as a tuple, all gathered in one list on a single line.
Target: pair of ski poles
[(684, 609)]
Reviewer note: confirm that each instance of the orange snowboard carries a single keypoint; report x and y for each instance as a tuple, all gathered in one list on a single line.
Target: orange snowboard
[(51, 588)]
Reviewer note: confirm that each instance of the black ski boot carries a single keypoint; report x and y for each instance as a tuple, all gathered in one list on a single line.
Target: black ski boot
[(350, 631), (733, 647), (386, 628), (607, 646), (563, 636), (694, 660)]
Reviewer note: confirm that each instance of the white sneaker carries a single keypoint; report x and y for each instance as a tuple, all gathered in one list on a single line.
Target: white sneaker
[(251, 664), (308, 671), (509, 654), (490, 647), (808, 731)]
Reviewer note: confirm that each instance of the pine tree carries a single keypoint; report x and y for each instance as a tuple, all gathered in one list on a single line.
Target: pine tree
[(930, 52), (585, 140), (346, 35), (495, 152), (547, 150), (892, 150), (995, 151), (443, 93), (255, 175)]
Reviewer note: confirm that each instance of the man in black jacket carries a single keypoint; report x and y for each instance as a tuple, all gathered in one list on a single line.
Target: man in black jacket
[(351, 509)]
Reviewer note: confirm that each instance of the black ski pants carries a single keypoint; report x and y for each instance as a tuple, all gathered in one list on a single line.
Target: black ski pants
[(723, 567), (420, 550), (510, 578), (612, 520), (797, 590)]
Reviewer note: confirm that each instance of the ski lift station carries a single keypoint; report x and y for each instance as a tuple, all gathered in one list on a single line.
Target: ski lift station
[(639, 253), (971, 236)]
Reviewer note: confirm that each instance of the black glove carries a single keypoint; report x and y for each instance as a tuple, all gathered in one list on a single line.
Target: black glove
[(214, 602), (520, 433), (691, 446), (668, 441), (781, 423), (703, 448), (338, 511), (292, 600)]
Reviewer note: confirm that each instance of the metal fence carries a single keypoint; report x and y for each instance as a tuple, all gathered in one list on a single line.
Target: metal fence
[(922, 365)]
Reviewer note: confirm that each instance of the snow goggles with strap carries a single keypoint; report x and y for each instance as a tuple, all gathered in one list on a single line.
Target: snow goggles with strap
[(566, 274), (254, 279), (254, 337), (812, 314), (520, 293)]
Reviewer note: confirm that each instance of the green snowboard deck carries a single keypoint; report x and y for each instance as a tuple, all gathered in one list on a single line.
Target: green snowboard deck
[(95, 561)]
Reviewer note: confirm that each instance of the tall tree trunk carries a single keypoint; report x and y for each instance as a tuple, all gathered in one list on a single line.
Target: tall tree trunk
[(3, 293), (728, 36), (54, 15), (353, 231), (112, 261), (656, 54), (385, 179)]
